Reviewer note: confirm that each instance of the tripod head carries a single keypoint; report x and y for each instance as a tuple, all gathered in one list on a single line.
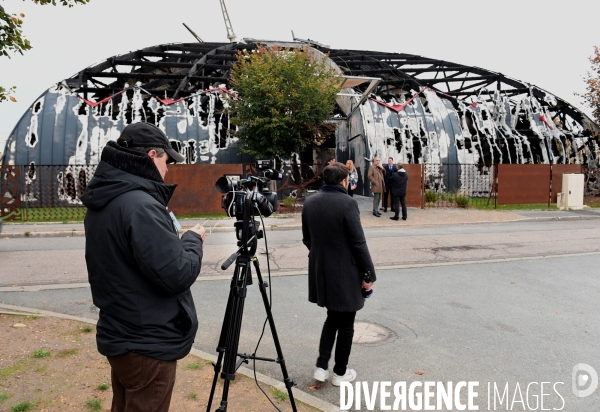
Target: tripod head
[(247, 233), (252, 234)]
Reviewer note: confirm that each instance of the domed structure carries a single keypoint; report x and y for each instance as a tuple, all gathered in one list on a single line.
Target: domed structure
[(422, 110)]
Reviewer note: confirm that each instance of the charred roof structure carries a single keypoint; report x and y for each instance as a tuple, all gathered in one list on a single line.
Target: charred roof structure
[(422, 110)]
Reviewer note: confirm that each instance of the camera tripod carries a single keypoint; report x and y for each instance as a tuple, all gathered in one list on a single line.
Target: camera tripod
[(248, 236)]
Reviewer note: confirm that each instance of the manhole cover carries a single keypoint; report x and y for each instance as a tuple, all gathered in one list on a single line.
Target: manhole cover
[(365, 332)]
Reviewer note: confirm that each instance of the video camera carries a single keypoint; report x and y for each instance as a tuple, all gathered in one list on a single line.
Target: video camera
[(255, 188)]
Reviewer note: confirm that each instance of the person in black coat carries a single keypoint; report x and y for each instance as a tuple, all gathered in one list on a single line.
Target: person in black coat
[(330, 161), (140, 271), (337, 260), (398, 182)]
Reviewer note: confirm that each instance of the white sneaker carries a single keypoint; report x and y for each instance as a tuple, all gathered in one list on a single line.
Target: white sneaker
[(321, 374), (349, 376)]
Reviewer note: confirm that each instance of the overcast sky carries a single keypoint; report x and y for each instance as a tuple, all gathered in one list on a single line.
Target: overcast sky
[(546, 43)]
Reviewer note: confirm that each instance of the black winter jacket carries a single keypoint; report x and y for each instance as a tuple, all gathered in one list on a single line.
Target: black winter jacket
[(139, 270), (338, 253), (399, 180)]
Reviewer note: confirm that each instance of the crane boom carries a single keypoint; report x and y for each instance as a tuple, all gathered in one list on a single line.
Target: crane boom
[(230, 33)]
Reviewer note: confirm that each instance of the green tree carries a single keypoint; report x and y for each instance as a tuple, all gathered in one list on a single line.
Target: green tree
[(592, 80), (286, 98), (12, 40)]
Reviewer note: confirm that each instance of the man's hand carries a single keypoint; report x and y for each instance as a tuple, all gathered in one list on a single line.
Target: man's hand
[(367, 286), (200, 230)]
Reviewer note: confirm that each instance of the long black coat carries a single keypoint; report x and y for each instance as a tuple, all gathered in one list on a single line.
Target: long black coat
[(399, 180), (338, 253), (139, 270)]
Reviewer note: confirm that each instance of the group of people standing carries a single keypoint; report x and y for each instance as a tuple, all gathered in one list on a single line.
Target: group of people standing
[(389, 180)]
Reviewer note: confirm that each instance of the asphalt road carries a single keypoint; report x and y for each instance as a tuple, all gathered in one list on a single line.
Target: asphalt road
[(513, 321), (40, 261)]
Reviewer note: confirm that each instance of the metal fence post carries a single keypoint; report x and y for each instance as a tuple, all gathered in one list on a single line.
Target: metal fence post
[(550, 186), (495, 186), (422, 186)]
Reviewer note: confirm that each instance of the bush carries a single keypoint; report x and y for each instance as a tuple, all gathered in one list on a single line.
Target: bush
[(431, 196), (462, 201), (289, 202), (446, 197)]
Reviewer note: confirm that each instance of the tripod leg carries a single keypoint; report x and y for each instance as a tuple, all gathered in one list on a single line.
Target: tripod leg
[(222, 340), (289, 383), (234, 325)]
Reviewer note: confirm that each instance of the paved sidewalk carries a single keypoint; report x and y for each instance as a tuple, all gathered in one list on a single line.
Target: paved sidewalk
[(416, 218)]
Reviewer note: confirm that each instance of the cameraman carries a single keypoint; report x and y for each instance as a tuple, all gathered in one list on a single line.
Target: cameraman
[(338, 257), (139, 270)]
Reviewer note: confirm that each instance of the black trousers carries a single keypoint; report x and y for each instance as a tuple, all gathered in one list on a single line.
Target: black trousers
[(395, 208), (341, 323), (387, 194)]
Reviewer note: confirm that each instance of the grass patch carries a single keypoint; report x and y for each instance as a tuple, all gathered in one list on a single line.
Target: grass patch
[(592, 201), (67, 352), (533, 206), (34, 317), (94, 404), (16, 368), (21, 407), (103, 386), (194, 366), (4, 396), (87, 329), (40, 369), (52, 214), (42, 353), (192, 396), (279, 395)]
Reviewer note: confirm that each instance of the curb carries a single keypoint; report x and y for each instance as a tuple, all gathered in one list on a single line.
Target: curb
[(81, 233), (298, 394), (563, 218), (272, 228), (58, 233)]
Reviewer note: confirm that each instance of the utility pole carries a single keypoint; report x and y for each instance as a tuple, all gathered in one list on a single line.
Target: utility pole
[(230, 33)]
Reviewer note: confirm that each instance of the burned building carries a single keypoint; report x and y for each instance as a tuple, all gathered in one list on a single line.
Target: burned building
[(419, 110)]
